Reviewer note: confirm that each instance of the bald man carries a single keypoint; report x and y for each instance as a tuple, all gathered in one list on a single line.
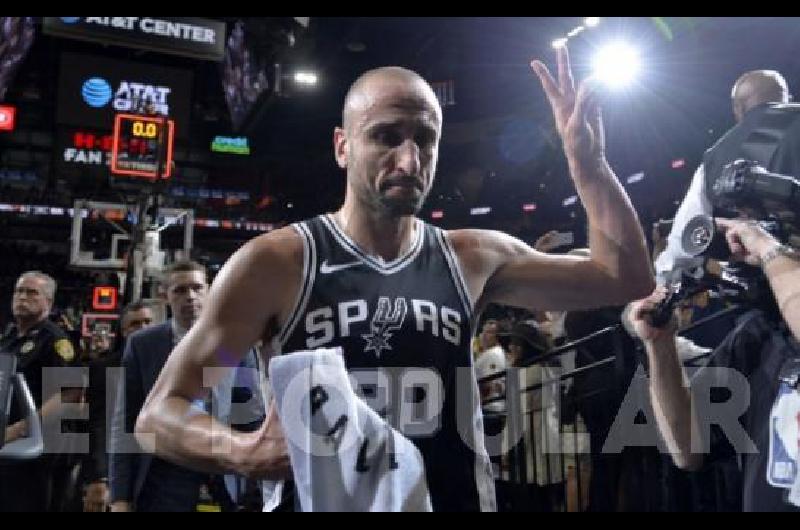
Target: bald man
[(392, 291), (767, 131)]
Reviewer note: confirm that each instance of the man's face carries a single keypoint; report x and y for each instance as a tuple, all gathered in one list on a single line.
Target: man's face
[(391, 147), (186, 291), (136, 320), (101, 342), (489, 335), (30, 301), (515, 350)]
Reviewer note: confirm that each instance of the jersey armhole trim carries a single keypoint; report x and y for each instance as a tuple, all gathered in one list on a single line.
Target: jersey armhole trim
[(309, 273), (455, 271)]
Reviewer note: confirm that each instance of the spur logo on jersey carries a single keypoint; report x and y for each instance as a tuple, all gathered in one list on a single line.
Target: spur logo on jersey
[(352, 318), (384, 323)]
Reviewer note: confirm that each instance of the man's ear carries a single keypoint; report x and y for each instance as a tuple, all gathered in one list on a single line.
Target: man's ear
[(340, 147)]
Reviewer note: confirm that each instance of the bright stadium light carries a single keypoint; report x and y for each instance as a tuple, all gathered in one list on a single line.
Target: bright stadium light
[(616, 65), (559, 43), (575, 31), (305, 78), (591, 22)]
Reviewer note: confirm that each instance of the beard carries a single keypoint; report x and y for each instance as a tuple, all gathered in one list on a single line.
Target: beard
[(388, 202), (399, 207)]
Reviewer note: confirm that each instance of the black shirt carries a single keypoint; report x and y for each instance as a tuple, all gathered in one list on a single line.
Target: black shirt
[(44, 345), (758, 349)]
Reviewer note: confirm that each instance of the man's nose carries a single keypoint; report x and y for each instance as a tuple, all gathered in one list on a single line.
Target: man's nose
[(408, 157)]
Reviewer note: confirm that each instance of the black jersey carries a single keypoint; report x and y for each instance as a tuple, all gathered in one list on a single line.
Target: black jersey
[(412, 319)]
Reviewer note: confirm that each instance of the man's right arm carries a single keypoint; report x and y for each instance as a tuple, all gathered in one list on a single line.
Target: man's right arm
[(695, 203), (251, 293)]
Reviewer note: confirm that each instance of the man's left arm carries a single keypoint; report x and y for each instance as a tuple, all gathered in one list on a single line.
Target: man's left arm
[(618, 269)]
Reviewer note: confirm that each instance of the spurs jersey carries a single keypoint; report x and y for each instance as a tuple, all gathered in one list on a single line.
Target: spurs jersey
[(404, 327)]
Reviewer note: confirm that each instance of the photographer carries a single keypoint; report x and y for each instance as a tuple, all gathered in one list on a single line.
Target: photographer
[(764, 350), (767, 132)]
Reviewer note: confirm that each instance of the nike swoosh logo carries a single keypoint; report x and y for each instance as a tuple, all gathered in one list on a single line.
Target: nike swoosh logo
[(330, 269)]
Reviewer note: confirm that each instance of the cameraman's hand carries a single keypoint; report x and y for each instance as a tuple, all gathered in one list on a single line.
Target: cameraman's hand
[(746, 239), (636, 318)]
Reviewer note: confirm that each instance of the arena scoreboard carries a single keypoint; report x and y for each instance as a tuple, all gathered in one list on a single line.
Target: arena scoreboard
[(136, 141)]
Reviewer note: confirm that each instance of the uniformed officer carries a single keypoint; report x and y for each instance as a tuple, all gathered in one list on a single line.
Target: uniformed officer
[(38, 343)]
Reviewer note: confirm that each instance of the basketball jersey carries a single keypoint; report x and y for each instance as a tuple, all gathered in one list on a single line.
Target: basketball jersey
[(404, 327)]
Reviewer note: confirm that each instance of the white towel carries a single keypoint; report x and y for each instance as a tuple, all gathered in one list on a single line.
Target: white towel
[(344, 456)]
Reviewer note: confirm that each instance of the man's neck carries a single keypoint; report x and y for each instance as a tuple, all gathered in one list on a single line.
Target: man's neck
[(387, 237), (25, 325), (179, 329)]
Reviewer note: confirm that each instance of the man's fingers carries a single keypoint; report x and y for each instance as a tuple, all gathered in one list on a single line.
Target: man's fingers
[(637, 312), (586, 104), (732, 237), (642, 308), (724, 224), (551, 90), (565, 80), (596, 123)]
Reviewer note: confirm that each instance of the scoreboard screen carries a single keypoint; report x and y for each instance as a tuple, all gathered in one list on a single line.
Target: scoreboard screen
[(135, 146)]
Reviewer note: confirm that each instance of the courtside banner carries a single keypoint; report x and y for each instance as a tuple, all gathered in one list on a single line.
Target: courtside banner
[(198, 38)]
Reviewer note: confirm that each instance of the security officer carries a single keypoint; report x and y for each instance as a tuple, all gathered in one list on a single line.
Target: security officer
[(38, 343)]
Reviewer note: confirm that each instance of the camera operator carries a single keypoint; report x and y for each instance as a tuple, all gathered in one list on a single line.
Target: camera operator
[(767, 132), (763, 349)]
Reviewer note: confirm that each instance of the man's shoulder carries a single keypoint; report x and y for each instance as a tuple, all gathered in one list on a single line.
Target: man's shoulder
[(272, 248), (51, 329), (478, 238), (153, 332), (52, 338), (735, 134)]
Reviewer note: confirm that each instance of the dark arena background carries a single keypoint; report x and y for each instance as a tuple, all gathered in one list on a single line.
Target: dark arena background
[(131, 144)]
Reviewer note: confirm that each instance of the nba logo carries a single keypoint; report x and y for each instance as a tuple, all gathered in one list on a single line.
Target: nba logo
[(7, 117)]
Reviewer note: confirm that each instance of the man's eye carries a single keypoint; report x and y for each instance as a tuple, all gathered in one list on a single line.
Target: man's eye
[(424, 140), (388, 138)]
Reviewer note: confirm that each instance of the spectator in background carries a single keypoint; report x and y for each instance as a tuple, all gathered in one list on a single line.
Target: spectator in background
[(141, 482), (135, 316), (542, 461), (38, 344)]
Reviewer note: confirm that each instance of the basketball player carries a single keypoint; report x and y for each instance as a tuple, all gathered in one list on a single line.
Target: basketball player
[(391, 290)]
